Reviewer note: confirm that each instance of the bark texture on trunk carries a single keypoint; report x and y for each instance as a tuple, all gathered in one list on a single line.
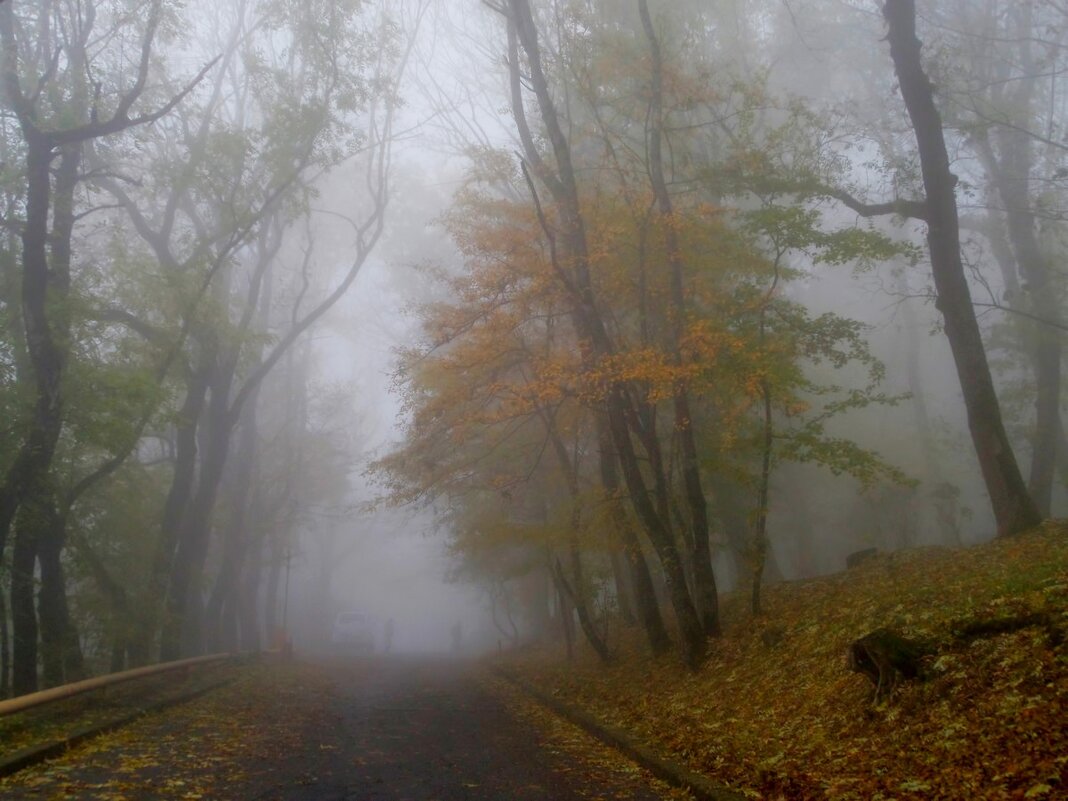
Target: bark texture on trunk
[(1013, 508), (706, 593), (46, 320), (23, 614), (60, 650), (645, 601), (183, 626), (220, 631)]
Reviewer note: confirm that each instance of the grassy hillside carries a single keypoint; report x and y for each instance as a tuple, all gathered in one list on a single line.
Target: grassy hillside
[(789, 720)]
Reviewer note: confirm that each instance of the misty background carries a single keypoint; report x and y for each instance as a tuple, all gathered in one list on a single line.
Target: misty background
[(273, 240)]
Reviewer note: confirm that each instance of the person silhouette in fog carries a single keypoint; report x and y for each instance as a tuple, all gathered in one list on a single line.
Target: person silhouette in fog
[(388, 636)]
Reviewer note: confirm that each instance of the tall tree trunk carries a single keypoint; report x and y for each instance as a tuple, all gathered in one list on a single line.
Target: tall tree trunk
[(576, 587), (563, 608), (1012, 182), (183, 626), (175, 509), (921, 418), (587, 318), (760, 529), (235, 534), (59, 641), (704, 577), (575, 594), (45, 290), (183, 629), (644, 592), (5, 639), (731, 515), (622, 583), (248, 618), (1013, 507), (1009, 171), (61, 656), (270, 594), (23, 612)]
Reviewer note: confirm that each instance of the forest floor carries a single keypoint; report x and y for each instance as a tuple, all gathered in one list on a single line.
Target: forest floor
[(776, 713)]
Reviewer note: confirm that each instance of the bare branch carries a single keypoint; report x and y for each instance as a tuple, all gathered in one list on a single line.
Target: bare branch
[(121, 122)]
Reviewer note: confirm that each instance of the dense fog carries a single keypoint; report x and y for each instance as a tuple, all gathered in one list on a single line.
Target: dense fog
[(312, 309)]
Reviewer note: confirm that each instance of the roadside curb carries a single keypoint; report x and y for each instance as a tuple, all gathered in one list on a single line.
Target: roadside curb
[(35, 754), (664, 769)]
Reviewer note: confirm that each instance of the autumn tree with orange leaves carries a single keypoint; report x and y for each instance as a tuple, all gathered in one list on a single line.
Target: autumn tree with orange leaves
[(505, 406)]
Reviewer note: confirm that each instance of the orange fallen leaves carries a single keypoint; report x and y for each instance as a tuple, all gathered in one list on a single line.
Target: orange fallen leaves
[(791, 722), (190, 752)]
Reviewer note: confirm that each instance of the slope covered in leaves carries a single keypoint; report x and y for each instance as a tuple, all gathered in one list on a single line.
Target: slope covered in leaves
[(776, 712)]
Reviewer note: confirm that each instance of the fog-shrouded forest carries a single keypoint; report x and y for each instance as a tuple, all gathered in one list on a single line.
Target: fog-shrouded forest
[(512, 321)]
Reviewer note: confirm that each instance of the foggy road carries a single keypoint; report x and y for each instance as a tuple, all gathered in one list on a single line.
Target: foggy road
[(378, 729), (428, 729)]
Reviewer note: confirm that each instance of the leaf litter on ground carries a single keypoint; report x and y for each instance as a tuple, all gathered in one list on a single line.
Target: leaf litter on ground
[(790, 721), (241, 734)]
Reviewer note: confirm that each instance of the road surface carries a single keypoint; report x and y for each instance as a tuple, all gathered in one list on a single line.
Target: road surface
[(370, 730)]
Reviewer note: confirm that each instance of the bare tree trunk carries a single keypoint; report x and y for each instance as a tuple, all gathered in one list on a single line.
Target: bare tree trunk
[(760, 530), (922, 419), (61, 655), (563, 608), (60, 647), (45, 289), (41, 288), (1013, 507), (644, 592), (623, 589), (704, 578), (577, 598), (5, 640), (576, 588), (587, 318), (248, 617), (23, 613), (1016, 247), (1046, 355), (176, 507), (270, 595), (183, 628), (538, 606), (234, 535)]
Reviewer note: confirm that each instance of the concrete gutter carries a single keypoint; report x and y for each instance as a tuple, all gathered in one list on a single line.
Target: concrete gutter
[(667, 770)]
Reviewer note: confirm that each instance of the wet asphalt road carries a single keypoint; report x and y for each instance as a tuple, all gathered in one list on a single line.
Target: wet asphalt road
[(358, 730), (424, 730)]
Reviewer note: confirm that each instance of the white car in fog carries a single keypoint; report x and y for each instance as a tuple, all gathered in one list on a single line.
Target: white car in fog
[(353, 631)]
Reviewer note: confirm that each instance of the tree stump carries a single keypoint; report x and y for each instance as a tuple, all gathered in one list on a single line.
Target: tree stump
[(860, 557), (887, 658)]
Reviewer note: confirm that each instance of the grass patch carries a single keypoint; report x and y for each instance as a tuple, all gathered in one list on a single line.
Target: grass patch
[(782, 717)]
